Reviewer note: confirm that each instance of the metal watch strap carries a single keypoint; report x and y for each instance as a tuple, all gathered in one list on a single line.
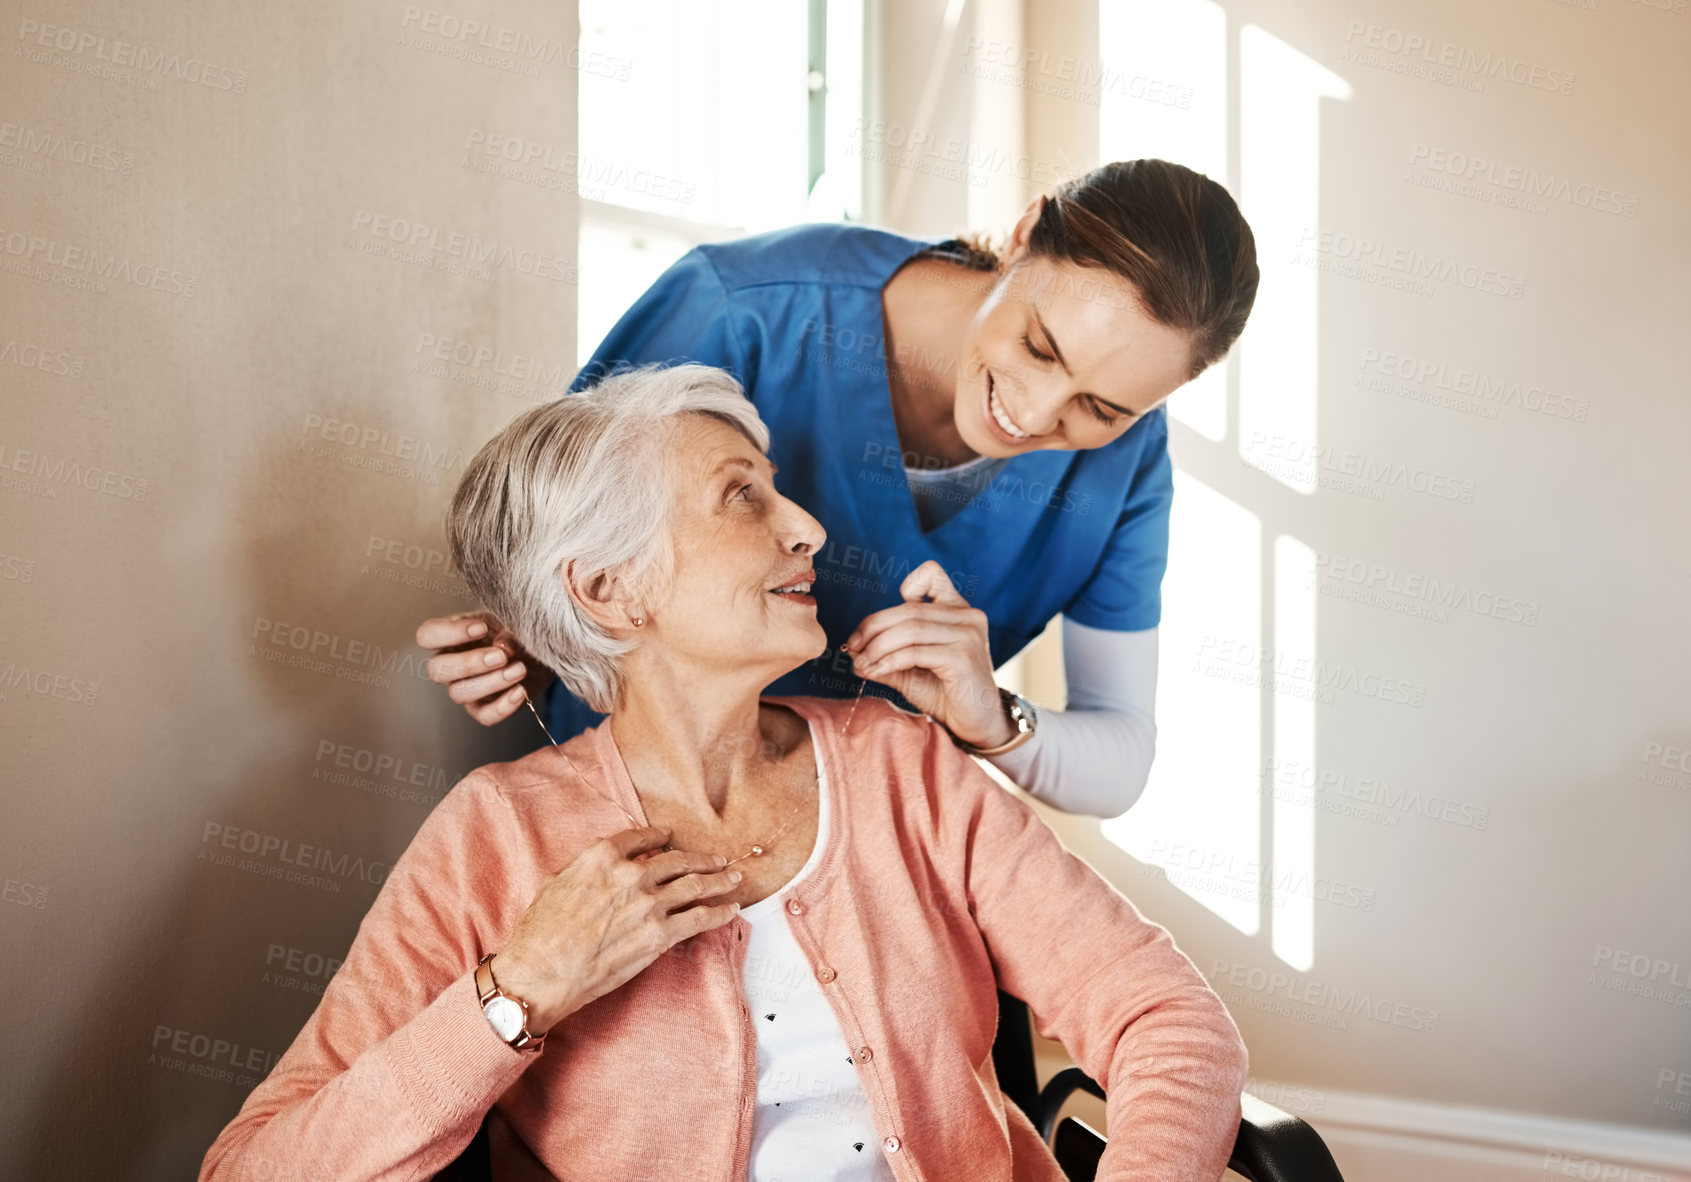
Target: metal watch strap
[(1021, 713), (524, 1041)]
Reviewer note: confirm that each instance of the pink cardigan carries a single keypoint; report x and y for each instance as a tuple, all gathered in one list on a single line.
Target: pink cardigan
[(936, 887)]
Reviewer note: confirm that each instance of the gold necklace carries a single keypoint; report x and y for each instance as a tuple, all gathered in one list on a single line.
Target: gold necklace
[(761, 848)]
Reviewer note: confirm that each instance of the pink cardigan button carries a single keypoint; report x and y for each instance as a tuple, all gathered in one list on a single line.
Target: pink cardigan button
[(890, 1144), (824, 974), (795, 907)]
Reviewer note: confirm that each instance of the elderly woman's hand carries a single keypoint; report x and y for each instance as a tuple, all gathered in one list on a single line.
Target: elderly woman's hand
[(936, 654), (606, 916), (481, 665)]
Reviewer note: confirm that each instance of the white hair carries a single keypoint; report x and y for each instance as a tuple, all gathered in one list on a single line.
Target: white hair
[(583, 481)]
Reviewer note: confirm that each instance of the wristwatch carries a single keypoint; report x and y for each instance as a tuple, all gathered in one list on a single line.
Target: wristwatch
[(506, 1014), (1021, 713)]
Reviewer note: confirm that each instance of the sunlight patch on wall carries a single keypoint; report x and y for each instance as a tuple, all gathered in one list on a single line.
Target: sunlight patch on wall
[(1292, 903), (1280, 95), (1199, 819), (1163, 95)]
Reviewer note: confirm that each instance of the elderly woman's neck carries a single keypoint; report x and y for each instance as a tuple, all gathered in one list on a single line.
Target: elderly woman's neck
[(693, 748)]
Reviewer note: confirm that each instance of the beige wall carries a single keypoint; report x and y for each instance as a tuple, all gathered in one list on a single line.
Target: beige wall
[(240, 441), (229, 456)]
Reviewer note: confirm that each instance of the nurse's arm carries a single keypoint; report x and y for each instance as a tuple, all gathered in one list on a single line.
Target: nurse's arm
[(1094, 757)]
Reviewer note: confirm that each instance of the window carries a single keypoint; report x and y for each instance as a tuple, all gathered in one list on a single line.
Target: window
[(723, 124)]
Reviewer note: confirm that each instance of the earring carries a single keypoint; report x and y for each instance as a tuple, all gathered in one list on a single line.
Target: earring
[(639, 620)]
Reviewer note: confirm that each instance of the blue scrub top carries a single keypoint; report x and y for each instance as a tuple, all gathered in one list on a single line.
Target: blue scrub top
[(795, 315)]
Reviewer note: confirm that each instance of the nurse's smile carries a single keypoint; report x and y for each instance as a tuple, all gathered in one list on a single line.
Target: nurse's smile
[(1000, 416)]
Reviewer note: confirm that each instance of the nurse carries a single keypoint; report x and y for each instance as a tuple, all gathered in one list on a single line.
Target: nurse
[(981, 434)]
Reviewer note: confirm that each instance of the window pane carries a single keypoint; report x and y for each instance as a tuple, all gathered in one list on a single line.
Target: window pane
[(618, 263), (713, 102)]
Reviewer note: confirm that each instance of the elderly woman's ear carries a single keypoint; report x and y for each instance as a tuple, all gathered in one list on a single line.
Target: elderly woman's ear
[(604, 598)]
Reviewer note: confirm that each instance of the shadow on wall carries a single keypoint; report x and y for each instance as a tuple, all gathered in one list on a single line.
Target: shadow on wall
[(231, 944)]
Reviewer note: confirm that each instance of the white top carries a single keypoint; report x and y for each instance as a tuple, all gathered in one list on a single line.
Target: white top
[(812, 1122)]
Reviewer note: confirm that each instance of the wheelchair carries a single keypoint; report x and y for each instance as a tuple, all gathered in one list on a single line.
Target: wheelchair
[(1272, 1146)]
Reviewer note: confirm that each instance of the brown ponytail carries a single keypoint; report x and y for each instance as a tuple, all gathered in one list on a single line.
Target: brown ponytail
[(1174, 234)]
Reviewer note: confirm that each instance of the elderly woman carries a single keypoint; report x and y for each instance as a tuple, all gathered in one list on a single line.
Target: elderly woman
[(720, 936)]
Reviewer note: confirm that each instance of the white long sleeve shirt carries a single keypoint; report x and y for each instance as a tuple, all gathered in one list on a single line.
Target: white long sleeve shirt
[(1094, 757)]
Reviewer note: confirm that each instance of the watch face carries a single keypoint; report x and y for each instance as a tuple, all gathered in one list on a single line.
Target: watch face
[(1021, 710), (506, 1017)]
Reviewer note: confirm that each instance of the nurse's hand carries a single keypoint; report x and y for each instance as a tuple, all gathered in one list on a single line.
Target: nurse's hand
[(481, 665), (933, 649)]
